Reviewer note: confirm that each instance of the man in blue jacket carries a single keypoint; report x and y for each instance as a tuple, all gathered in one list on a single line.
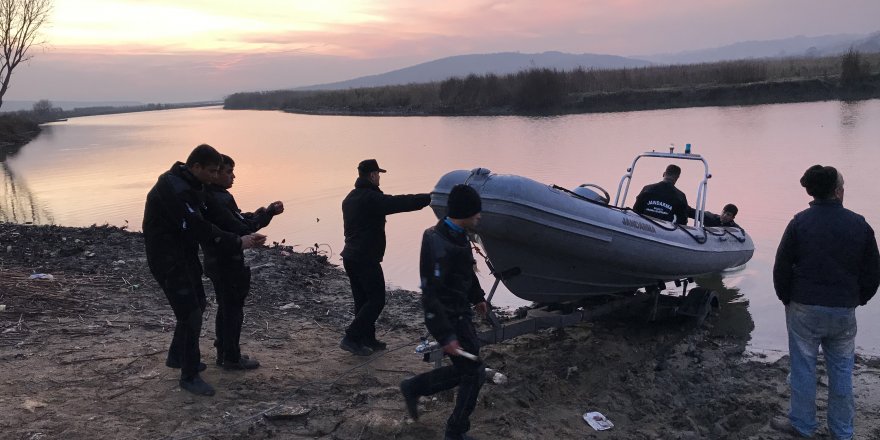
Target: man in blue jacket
[(363, 215), (827, 264), (450, 293)]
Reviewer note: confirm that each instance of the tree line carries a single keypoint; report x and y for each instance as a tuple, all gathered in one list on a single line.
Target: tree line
[(548, 91)]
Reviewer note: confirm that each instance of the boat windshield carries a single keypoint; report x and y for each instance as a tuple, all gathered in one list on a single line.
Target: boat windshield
[(702, 188)]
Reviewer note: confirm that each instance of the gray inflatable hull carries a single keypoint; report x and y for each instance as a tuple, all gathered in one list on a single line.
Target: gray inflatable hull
[(569, 248)]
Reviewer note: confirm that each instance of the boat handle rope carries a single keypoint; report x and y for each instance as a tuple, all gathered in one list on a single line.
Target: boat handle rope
[(699, 239), (726, 231)]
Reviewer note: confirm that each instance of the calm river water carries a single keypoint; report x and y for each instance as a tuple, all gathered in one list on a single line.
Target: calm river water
[(99, 169)]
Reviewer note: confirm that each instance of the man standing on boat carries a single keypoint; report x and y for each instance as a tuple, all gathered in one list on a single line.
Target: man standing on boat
[(663, 200), (450, 291), (174, 226), (229, 274), (827, 264), (363, 215)]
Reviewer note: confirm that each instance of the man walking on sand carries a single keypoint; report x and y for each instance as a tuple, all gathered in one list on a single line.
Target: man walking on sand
[(450, 290), (827, 264), (228, 272), (174, 226), (363, 215)]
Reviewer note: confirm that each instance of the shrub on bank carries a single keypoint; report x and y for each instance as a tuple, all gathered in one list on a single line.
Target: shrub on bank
[(16, 130), (853, 69)]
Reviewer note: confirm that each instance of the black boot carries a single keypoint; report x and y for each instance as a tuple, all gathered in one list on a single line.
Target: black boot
[(197, 386), (376, 345), (410, 398), (354, 347)]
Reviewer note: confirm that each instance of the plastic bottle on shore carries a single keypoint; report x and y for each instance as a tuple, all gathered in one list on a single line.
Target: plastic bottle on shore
[(425, 346), (496, 377)]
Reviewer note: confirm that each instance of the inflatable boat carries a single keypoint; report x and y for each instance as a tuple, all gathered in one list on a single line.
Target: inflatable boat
[(557, 244)]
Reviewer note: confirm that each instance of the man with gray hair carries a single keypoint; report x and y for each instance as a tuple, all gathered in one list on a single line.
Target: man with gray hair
[(827, 264)]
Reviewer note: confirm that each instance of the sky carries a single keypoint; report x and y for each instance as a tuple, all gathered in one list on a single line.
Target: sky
[(177, 51)]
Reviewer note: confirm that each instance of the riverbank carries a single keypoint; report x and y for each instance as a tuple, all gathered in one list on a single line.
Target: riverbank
[(546, 92), (92, 342), (335, 103), (15, 132)]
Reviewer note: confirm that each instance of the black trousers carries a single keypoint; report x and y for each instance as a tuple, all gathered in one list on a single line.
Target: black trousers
[(466, 374), (231, 289), (186, 295), (368, 288)]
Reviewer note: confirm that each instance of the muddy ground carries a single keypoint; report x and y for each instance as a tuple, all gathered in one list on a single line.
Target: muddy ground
[(82, 357)]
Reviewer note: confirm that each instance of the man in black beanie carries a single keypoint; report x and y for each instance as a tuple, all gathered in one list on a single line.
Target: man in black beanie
[(363, 217), (450, 290)]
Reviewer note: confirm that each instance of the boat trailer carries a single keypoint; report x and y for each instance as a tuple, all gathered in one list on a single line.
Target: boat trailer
[(695, 303)]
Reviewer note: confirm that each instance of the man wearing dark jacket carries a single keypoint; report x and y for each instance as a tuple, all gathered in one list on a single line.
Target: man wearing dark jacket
[(728, 214), (174, 226), (228, 272), (363, 214), (663, 200), (827, 264), (450, 290)]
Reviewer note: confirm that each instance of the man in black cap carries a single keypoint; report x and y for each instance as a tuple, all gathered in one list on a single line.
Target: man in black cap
[(450, 291), (363, 214), (174, 226), (663, 200)]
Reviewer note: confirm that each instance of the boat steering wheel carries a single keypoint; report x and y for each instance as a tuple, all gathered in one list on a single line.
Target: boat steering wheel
[(605, 197)]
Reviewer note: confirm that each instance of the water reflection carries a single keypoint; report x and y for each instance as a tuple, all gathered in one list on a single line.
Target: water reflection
[(734, 320), (850, 113), (17, 202), (99, 169)]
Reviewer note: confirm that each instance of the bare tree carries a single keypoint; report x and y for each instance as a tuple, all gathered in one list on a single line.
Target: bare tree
[(20, 23)]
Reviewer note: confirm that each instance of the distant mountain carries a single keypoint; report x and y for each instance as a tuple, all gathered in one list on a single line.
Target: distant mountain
[(480, 64), (870, 43), (787, 47)]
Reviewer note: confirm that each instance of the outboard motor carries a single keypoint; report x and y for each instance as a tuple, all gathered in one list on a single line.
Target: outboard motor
[(584, 191)]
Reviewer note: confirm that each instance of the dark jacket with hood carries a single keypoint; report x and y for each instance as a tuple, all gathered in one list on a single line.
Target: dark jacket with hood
[(664, 201), (363, 215), (224, 212), (827, 257), (449, 284), (174, 226)]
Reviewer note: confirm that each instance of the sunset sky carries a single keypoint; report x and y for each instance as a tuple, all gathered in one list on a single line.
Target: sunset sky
[(211, 47)]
